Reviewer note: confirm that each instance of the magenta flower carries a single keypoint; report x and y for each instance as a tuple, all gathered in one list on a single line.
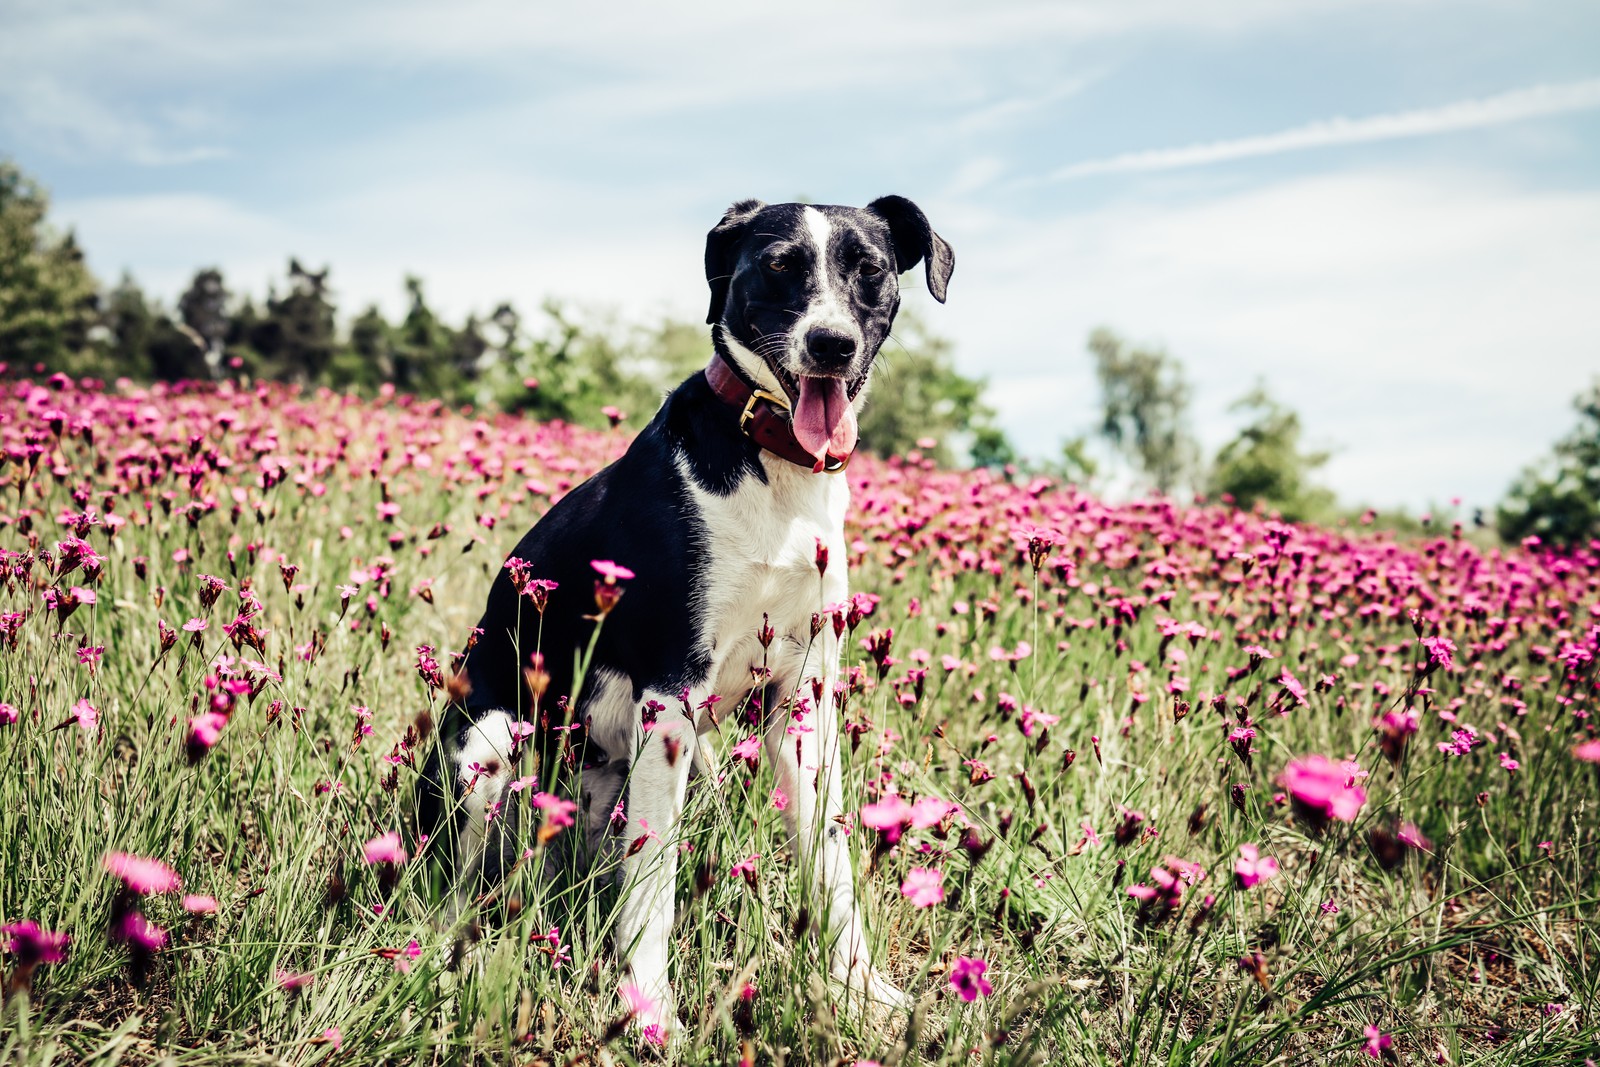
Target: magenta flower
[(637, 1002), (746, 868), (138, 933), (294, 981), (385, 848), (87, 714), (557, 812), (1588, 751), (31, 944), (1320, 790), (198, 904), (748, 749), (1252, 868), (930, 812), (1378, 1042), (611, 572), (205, 730), (966, 977), (1441, 652), (139, 874), (888, 816), (8, 714), (923, 886)]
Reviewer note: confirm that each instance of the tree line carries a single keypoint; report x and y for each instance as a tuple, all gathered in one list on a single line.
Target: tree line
[(588, 368)]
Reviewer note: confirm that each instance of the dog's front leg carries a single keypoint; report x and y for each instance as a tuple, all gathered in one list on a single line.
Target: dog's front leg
[(804, 748), (656, 785)]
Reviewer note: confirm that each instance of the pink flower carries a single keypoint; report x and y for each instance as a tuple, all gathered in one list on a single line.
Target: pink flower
[(611, 572), (780, 799), (1588, 751), (966, 977), (293, 981), (87, 714), (923, 887), (138, 932), (1378, 1042), (8, 714), (747, 868), (385, 848), (888, 816), (1441, 652), (1321, 791), (31, 944), (637, 1002), (205, 730), (195, 904), (1252, 867), (748, 749), (557, 812), (930, 811), (140, 874), (333, 1036), (1507, 762)]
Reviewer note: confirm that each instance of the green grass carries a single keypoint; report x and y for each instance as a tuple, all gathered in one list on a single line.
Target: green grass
[(1456, 952)]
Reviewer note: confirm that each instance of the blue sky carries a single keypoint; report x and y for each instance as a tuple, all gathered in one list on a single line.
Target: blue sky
[(1390, 211)]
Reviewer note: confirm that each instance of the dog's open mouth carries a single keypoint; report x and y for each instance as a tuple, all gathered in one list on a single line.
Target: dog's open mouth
[(824, 422)]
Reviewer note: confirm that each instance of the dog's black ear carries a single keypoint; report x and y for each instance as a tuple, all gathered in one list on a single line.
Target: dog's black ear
[(915, 241), (720, 245)]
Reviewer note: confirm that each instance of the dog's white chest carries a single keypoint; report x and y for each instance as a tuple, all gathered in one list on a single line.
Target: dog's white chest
[(761, 546)]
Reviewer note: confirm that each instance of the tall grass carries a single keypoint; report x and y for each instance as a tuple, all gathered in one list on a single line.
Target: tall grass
[(1479, 948)]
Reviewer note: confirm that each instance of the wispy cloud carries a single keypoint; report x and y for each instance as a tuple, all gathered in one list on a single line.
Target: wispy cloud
[(1512, 106)]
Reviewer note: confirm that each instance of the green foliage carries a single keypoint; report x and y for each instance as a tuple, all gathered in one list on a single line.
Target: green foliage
[(569, 363), (48, 298), (1264, 463), (1559, 501), (918, 394), (1144, 400)]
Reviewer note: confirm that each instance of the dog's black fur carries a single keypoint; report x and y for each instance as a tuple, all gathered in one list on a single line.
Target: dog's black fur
[(765, 273)]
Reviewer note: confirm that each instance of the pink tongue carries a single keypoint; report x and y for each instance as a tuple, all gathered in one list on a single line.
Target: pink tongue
[(823, 419)]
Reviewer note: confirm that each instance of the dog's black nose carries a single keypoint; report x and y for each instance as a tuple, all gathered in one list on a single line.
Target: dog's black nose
[(830, 347)]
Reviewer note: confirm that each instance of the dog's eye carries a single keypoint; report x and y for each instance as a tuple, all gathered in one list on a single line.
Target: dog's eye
[(870, 270), (777, 266)]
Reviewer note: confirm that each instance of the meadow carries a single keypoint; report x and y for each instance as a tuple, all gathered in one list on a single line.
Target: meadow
[(1141, 783)]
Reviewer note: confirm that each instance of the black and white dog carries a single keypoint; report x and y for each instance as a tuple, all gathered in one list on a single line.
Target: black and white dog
[(726, 507)]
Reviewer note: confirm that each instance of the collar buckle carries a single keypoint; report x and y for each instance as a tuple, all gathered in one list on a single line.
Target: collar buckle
[(781, 403)]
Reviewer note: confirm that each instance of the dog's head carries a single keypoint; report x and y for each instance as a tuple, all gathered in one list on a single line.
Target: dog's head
[(803, 296)]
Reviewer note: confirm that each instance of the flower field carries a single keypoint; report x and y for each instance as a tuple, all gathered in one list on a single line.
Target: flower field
[(1129, 784)]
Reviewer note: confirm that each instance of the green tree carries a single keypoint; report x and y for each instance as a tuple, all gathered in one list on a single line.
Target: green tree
[(917, 394), (1559, 500), (1265, 464), (203, 308), (130, 324), (1144, 401), (296, 338), (48, 298)]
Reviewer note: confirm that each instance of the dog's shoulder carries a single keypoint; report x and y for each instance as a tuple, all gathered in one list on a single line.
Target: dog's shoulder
[(700, 435)]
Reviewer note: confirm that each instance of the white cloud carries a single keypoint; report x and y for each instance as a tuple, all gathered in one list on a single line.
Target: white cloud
[(1432, 326), (625, 58), (1512, 106)]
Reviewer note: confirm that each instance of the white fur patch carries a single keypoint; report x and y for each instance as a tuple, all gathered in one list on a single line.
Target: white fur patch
[(483, 769), (827, 308), (762, 541)]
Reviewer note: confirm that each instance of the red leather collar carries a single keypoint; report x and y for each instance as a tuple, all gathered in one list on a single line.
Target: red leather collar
[(764, 418)]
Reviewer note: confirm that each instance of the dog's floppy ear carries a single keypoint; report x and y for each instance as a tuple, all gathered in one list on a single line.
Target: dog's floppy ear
[(720, 244), (915, 241)]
